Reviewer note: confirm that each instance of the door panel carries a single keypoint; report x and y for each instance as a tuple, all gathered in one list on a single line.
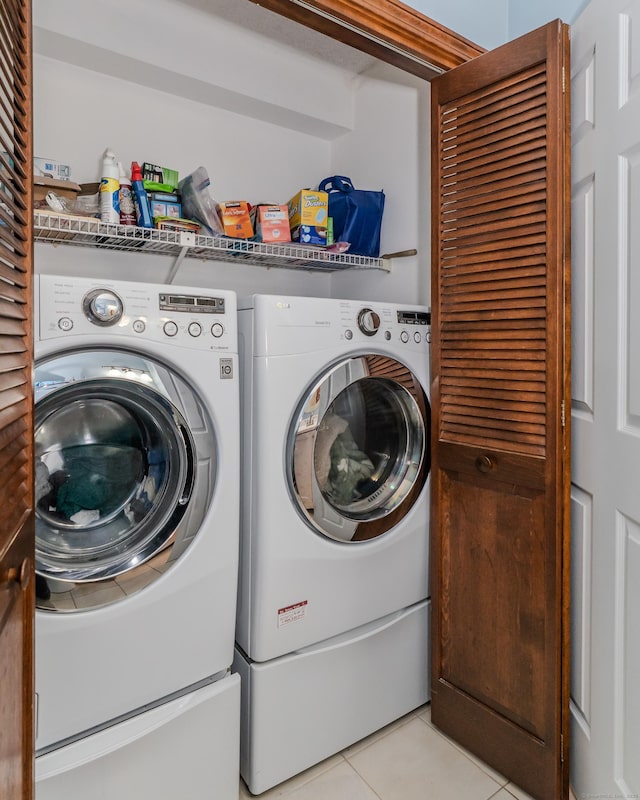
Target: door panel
[(605, 691), (16, 667), (500, 467), (16, 451)]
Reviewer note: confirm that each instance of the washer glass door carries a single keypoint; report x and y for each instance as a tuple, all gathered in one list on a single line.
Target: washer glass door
[(358, 452), (115, 475)]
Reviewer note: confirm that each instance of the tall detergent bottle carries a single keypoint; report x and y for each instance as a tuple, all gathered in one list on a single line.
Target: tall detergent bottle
[(110, 189), (127, 208)]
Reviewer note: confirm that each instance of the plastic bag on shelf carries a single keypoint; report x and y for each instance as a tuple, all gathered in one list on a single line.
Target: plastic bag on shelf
[(81, 206), (198, 202)]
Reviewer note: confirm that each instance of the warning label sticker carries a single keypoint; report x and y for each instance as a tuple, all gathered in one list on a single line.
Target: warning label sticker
[(293, 613)]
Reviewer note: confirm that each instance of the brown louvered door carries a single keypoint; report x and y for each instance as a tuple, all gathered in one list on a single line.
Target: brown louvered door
[(500, 444), (16, 451)]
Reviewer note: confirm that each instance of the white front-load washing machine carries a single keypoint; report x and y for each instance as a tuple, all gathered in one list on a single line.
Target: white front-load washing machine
[(136, 425), (333, 603)]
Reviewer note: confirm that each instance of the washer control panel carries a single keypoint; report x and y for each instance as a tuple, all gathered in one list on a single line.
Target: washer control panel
[(193, 318)]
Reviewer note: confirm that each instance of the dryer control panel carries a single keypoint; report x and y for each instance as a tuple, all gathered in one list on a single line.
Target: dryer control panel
[(292, 325), (421, 319), (185, 317), (403, 325)]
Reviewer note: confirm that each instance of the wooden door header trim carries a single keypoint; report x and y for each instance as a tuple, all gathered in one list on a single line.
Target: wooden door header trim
[(387, 29)]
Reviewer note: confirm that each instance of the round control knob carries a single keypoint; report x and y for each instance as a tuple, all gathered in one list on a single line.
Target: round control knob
[(170, 328), (194, 329), (217, 330), (102, 307), (368, 321), (404, 337)]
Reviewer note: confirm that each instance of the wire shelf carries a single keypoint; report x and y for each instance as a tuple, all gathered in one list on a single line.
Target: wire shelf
[(88, 232)]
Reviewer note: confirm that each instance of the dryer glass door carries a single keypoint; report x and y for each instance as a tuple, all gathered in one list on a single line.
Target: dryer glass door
[(358, 453), (115, 476)]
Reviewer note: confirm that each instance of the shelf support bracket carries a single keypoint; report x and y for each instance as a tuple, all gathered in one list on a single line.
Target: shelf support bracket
[(177, 264)]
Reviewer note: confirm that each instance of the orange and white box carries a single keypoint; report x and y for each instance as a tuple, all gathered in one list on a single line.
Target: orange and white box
[(271, 223), (234, 216)]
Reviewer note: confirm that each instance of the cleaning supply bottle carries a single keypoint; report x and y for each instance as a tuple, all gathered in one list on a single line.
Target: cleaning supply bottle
[(127, 207), (110, 189), (141, 198)]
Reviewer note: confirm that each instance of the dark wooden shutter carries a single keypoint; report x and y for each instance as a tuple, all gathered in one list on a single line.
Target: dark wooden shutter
[(500, 460), (16, 450)]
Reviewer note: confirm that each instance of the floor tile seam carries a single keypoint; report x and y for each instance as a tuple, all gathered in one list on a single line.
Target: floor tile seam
[(378, 736), (364, 780), (502, 783), (318, 771), (502, 788)]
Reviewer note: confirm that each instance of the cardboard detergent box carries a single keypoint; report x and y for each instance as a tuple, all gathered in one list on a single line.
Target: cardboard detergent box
[(271, 223), (50, 168), (62, 188), (234, 216), (308, 212)]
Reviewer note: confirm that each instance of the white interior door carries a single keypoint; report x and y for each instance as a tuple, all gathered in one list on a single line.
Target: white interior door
[(605, 686)]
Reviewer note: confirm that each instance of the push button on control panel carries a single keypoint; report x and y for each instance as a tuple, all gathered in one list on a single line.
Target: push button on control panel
[(194, 329), (65, 323), (138, 326), (404, 337), (217, 329), (170, 328)]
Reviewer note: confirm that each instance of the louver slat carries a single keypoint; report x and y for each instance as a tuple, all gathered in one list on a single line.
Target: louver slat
[(16, 402), (493, 267)]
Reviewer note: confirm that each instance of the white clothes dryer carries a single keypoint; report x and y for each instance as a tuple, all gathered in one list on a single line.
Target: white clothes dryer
[(334, 526), (136, 425)]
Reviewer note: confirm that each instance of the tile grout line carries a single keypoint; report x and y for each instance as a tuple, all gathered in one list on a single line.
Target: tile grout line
[(503, 781), (364, 780)]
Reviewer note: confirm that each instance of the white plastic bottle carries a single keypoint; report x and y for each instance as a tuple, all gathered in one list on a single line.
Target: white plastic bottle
[(127, 207), (110, 189)]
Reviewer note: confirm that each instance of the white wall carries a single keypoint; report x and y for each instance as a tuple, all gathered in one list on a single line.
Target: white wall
[(266, 116), (397, 161)]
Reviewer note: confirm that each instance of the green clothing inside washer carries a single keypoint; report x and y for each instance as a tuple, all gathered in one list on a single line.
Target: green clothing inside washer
[(100, 477)]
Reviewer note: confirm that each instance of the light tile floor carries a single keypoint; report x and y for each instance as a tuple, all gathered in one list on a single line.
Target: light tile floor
[(408, 760)]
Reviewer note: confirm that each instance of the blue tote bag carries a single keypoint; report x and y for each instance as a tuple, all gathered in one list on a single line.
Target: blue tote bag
[(356, 213)]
